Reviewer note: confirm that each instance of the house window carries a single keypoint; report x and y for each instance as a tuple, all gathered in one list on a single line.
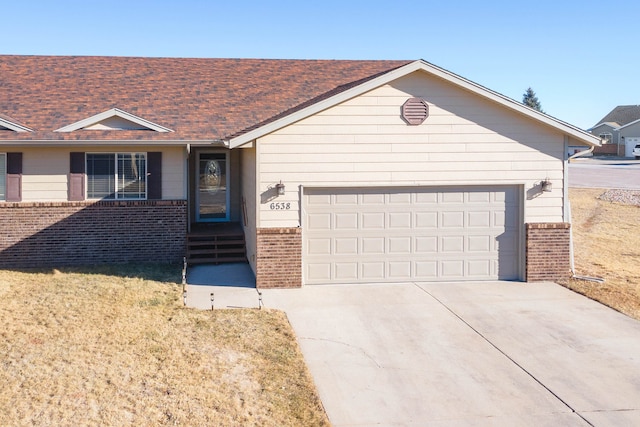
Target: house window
[(3, 176), (606, 137), (117, 176)]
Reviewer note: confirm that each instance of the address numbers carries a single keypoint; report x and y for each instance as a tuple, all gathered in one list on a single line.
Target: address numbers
[(280, 206)]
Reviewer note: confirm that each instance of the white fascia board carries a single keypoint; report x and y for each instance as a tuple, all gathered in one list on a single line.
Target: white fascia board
[(114, 112), (612, 125), (564, 127), (105, 142), (419, 65), (13, 126), (323, 105)]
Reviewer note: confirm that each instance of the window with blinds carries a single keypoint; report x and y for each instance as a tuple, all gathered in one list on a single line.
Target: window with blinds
[(117, 176)]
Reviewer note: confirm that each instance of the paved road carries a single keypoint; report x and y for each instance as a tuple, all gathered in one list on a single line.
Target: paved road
[(594, 173)]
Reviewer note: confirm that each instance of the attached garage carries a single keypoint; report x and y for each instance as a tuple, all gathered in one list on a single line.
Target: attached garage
[(367, 235), (630, 143)]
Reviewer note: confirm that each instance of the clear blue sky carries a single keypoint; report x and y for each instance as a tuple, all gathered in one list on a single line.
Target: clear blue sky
[(581, 58)]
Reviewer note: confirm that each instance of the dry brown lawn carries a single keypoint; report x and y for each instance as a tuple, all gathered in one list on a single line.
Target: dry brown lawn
[(115, 346), (607, 245)]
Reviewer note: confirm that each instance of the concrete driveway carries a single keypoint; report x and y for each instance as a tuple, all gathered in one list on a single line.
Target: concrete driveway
[(478, 354)]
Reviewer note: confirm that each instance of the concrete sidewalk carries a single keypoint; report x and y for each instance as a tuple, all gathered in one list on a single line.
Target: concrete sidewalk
[(450, 354), (223, 286)]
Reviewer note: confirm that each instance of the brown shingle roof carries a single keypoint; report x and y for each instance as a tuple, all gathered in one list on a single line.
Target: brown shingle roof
[(622, 115), (197, 98)]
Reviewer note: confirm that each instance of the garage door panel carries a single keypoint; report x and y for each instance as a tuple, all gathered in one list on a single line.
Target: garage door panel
[(479, 243), (319, 221), (400, 270), (372, 271), (426, 244), (452, 269), (399, 245), (399, 198), (479, 219), (452, 219), (426, 220), (408, 234), (452, 244), (426, 270), (346, 246), (373, 199), (451, 197), (346, 221), (373, 245), (346, 271), (479, 197), (318, 199), (373, 220), (479, 268), (400, 220), (426, 198), (319, 246), (346, 199), (318, 272)]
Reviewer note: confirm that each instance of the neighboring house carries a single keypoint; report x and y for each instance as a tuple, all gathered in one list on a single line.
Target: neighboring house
[(618, 131), (336, 171)]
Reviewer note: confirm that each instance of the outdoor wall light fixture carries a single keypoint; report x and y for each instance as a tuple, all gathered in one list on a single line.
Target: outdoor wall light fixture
[(280, 188), (547, 186)]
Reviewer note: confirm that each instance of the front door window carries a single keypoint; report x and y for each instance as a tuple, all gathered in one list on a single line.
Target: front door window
[(213, 195)]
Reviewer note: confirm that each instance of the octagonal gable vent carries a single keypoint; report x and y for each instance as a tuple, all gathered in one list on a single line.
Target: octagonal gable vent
[(415, 111)]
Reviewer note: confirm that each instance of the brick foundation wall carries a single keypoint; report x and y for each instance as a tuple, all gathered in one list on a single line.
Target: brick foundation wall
[(607, 149), (279, 258), (77, 233), (548, 252)]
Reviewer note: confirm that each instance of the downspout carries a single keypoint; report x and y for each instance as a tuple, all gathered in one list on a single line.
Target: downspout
[(186, 187), (568, 213), (582, 153)]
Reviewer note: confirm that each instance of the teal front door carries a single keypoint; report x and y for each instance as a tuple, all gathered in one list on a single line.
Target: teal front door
[(212, 194)]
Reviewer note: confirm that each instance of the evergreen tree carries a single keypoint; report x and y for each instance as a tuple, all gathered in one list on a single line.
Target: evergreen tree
[(531, 100)]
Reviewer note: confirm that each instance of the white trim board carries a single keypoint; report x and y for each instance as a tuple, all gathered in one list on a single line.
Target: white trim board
[(114, 112), (392, 75), (4, 123)]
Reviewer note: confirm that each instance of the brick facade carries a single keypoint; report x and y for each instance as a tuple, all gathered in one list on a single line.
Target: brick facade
[(607, 149), (548, 252), (75, 233), (279, 258)]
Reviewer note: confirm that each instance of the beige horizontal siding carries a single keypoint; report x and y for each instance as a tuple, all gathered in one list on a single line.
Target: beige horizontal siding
[(44, 174), (45, 170), (466, 140), (248, 182)]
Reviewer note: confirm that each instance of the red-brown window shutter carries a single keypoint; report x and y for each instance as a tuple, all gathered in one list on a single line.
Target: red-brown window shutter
[(154, 175), (14, 177), (76, 176)]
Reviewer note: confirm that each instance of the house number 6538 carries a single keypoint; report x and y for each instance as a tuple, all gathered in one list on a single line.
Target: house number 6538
[(280, 206)]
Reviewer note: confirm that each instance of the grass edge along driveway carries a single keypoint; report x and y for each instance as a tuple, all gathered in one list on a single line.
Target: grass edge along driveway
[(113, 345)]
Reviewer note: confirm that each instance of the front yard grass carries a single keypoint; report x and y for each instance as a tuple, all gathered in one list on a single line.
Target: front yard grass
[(114, 346), (606, 245)]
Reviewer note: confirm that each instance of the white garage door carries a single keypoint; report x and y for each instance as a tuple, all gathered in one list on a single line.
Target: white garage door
[(409, 234), (630, 143)]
